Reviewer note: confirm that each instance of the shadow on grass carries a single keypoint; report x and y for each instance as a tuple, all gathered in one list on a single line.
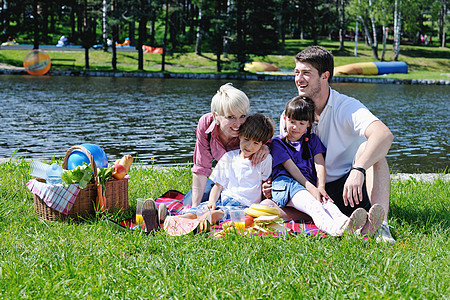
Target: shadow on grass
[(428, 52), (420, 218)]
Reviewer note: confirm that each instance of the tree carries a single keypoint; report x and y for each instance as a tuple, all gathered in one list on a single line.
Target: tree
[(342, 25), (397, 28)]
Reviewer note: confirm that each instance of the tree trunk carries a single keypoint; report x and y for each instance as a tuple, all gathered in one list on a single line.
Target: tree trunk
[(166, 25), (385, 32), (397, 28), (86, 58), (104, 26), (198, 43), (36, 25), (356, 38), (240, 36), (442, 24), (140, 43), (341, 10)]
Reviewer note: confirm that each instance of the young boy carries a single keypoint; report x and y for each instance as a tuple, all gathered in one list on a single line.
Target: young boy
[(237, 182)]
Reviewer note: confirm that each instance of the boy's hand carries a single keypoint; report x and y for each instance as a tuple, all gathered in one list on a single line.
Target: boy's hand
[(211, 205)]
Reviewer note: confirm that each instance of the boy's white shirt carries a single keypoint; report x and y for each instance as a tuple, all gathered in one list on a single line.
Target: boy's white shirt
[(240, 180)]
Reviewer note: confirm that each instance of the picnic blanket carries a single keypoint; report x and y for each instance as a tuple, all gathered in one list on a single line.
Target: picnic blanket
[(174, 202), (55, 196)]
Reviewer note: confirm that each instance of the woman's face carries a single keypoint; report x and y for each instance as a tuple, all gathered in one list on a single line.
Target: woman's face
[(230, 123)]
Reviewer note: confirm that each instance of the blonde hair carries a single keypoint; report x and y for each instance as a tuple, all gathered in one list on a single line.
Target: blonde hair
[(230, 100)]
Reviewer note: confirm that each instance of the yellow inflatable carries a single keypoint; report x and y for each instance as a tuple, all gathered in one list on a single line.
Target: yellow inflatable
[(260, 67)]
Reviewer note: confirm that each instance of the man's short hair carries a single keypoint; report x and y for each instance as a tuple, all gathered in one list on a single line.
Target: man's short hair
[(258, 127), (319, 57)]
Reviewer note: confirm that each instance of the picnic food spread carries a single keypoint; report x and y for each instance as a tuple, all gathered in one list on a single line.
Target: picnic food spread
[(257, 210)]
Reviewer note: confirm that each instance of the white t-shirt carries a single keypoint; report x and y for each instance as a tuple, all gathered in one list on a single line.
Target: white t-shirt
[(341, 128), (240, 180)]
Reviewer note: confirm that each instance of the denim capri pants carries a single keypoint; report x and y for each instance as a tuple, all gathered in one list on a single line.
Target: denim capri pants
[(284, 188), (226, 204)]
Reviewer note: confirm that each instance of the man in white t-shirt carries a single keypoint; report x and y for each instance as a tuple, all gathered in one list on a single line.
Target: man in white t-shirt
[(357, 142)]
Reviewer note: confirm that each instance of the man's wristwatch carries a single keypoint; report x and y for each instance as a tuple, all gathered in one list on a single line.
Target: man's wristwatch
[(362, 170)]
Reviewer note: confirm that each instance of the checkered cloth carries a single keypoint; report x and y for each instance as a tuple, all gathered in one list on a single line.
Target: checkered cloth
[(55, 196)]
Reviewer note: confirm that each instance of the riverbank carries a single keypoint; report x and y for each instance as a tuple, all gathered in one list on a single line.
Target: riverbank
[(423, 177), (12, 70)]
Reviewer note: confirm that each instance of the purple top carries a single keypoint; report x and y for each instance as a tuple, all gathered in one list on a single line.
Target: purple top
[(282, 152), (209, 146)]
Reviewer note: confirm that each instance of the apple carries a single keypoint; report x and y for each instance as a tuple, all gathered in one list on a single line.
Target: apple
[(119, 171)]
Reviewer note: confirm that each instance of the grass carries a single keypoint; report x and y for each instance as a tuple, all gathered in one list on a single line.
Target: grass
[(430, 62), (66, 260)]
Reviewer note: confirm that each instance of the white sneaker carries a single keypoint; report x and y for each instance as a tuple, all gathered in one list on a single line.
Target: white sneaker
[(384, 234)]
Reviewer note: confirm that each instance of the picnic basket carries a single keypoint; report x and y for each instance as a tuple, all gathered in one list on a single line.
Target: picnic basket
[(84, 206)]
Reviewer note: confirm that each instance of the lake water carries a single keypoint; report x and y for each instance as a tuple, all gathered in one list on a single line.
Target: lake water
[(155, 119)]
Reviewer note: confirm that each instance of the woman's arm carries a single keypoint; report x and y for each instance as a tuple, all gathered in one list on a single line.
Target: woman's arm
[(214, 196), (198, 188)]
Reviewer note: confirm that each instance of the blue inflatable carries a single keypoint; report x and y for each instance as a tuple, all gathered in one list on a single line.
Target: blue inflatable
[(77, 157)]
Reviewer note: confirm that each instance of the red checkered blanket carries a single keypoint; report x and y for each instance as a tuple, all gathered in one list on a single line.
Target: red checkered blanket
[(174, 202)]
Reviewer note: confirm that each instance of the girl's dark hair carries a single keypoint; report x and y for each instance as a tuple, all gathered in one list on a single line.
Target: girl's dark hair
[(300, 109)]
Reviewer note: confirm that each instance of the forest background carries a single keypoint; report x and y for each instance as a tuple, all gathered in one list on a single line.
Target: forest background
[(235, 28)]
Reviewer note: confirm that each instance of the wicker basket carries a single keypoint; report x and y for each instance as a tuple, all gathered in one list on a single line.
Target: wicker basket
[(116, 195)]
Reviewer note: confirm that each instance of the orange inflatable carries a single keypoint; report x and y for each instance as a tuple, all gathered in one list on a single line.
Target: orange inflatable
[(149, 49), (37, 62)]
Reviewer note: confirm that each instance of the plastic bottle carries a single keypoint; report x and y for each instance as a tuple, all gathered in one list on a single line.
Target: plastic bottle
[(38, 169), (54, 173)]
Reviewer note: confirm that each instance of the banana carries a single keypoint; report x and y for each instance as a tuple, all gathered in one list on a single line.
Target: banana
[(256, 213), (265, 208)]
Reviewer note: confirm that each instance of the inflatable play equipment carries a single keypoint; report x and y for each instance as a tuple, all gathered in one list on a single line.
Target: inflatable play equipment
[(37, 62), (149, 49), (372, 68), (77, 157), (259, 67)]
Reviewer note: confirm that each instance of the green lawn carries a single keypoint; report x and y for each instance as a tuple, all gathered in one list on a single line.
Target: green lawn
[(62, 260), (430, 62)]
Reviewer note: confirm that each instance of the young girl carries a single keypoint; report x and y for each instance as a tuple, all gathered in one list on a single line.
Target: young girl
[(299, 172)]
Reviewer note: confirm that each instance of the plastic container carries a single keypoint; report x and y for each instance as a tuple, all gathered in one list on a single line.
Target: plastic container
[(39, 169), (54, 173), (77, 157)]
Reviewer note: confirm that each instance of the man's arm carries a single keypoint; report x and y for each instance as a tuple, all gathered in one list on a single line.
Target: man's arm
[(379, 141)]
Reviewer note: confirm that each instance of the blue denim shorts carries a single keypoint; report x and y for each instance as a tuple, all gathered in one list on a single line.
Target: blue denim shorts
[(284, 188)]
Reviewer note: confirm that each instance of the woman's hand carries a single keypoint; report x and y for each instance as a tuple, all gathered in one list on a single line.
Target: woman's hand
[(260, 155)]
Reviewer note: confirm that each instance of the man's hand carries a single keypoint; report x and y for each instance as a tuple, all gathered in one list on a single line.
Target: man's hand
[(267, 188), (353, 188)]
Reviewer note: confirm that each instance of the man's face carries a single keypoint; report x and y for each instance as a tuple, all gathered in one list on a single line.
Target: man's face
[(307, 80)]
